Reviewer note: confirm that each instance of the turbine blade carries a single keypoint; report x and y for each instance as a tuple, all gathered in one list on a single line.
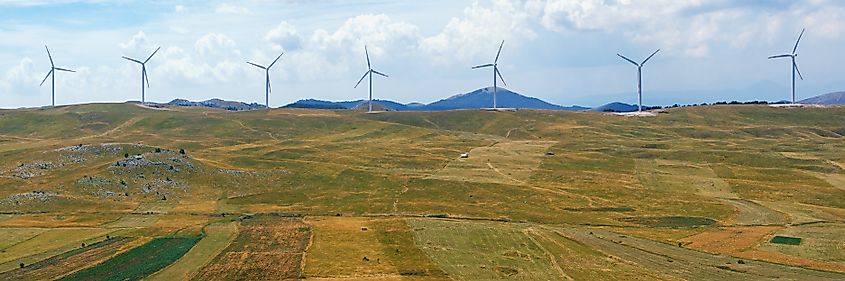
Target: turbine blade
[(269, 88), (362, 79), (153, 54), (368, 57), (379, 73), (257, 65), (50, 56), (627, 59), (482, 66), (274, 62), (799, 40), (146, 77), (500, 52), (780, 56), (649, 57), (795, 65), (62, 69), (500, 77), (45, 78), (133, 60)]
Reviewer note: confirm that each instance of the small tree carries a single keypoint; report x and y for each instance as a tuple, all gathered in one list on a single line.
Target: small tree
[(22, 265), (158, 150), (126, 155), (182, 151)]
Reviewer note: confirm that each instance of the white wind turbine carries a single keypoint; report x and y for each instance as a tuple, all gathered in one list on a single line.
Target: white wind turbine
[(639, 78), (369, 72), (144, 76), (52, 72), (267, 88), (496, 72), (794, 65)]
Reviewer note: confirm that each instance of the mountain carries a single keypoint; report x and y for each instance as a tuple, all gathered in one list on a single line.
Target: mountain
[(615, 107), (218, 103), (321, 104), (826, 99), (318, 104), (483, 98)]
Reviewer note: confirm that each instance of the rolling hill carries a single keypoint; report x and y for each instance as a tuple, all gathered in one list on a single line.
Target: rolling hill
[(121, 191)]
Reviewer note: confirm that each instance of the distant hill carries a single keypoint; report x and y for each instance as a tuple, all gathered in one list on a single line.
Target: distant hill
[(615, 107), (826, 99), (317, 104), (481, 98), (218, 103)]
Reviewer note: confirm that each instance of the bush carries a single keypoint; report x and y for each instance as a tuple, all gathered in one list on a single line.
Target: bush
[(182, 151)]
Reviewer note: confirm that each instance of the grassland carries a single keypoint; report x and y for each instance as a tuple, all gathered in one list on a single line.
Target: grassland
[(330, 195)]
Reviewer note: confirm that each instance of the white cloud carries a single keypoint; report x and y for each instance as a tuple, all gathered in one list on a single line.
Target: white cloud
[(284, 37), (476, 34), (227, 8), (179, 8), (215, 44)]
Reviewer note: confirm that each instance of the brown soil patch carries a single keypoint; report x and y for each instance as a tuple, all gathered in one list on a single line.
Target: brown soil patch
[(267, 248), (729, 240)]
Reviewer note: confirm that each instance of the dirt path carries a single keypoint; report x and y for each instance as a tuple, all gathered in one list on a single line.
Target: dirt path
[(752, 213), (122, 126), (529, 232)]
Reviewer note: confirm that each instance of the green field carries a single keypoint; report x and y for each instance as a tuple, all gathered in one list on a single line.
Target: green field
[(330, 195), (138, 262)]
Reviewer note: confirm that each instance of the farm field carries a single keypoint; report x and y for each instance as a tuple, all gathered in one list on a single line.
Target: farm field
[(100, 190)]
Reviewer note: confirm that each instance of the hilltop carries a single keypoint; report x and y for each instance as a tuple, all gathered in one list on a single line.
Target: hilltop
[(706, 192)]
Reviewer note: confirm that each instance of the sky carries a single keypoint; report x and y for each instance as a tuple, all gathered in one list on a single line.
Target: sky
[(561, 51)]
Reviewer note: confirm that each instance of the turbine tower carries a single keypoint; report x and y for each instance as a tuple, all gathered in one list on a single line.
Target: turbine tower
[(53, 69), (794, 65), (369, 72), (144, 76), (639, 78), (267, 88), (496, 72)]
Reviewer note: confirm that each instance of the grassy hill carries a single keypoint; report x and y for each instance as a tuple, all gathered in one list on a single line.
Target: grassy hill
[(339, 194)]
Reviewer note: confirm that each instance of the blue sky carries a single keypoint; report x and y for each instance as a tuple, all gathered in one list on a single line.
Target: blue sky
[(560, 51)]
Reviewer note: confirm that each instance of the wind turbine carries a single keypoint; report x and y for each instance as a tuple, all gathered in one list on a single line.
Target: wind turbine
[(496, 72), (794, 65), (369, 72), (144, 76), (639, 78), (53, 69), (267, 88)]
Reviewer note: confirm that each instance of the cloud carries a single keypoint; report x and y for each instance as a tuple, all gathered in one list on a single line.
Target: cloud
[(179, 8), (22, 78), (226, 8), (479, 30), (284, 37), (690, 28), (215, 44)]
